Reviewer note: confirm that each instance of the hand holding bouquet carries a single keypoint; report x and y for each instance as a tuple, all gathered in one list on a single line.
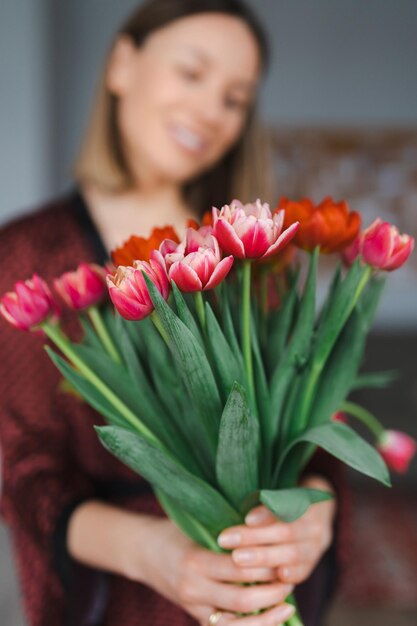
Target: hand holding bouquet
[(217, 376)]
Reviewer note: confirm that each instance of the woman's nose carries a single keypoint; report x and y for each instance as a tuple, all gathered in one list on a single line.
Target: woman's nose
[(208, 107)]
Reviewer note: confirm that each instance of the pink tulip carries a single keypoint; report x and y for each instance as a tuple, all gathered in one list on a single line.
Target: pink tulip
[(397, 449), (197, 263), (250, 231), (82, 288), (381, 246), (128, 289), (29, 305)]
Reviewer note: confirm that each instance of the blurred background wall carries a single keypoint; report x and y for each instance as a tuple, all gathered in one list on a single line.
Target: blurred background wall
[(341, 102)]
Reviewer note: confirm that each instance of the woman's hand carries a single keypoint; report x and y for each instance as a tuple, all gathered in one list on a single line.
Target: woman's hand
[(201, 582), (293, 549), (153, 551)]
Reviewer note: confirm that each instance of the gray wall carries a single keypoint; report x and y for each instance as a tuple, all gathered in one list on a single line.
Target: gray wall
[(25, 104)]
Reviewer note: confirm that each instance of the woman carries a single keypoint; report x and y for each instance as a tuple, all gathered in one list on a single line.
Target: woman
[(173, 132)]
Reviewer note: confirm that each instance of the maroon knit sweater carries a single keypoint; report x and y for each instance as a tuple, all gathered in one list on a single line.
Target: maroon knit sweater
[(52, 458)]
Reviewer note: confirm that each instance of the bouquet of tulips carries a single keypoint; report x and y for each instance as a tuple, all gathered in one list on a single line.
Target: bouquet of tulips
[(216, 374)]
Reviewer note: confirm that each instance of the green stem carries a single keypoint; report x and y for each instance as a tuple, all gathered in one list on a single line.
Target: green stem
[(102, 332), (199, 305), (61, 341), (263, 286), (364, 416), (246, 329), (159, 327)]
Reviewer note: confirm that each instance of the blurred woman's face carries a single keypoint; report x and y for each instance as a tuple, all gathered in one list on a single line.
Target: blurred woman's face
[(183, 97)]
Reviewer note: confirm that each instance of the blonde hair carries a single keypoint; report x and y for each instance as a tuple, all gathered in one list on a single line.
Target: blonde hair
[(245, 172)]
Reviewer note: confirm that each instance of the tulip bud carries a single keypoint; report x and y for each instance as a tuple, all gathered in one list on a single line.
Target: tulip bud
[(30, 305), (129, 292), (339, 416), (82, 288), (397, 449), (381, 246), (384, 248)]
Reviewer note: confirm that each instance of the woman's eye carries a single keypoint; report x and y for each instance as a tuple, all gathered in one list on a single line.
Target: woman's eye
[(235, 103)]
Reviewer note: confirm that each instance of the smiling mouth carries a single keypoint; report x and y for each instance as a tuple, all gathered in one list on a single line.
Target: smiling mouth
[(187, 139)]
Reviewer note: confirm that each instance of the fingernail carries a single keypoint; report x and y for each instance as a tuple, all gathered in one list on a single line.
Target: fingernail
[(284, 572), (229, 540), (254, 517), (244, 556)]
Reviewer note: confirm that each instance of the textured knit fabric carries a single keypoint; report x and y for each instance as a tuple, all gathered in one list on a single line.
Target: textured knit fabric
[(52, 458)]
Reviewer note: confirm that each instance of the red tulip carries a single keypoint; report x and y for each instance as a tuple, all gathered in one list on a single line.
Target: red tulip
[(129, 292), (381, 246), (329, 225), (250, 231), (82, 288), (140, 248), (397, 449), (29, 305), (197, 265)]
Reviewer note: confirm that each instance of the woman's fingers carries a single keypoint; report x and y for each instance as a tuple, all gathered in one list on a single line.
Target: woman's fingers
[(276, 532), (274, 556), (275, 616), (234, 598), (221, 567), (295, 574), (259, 515)]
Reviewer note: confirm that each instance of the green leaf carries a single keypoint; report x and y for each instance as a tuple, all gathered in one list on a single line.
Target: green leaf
[(345, 444), (184, 312), (165, 473), (333, 288), (370, 299), (228, 326), (297, 350), (90, 336), (89, 393), (263, 398), (187, 523), (128, 352), (344, 300), (136, 393), (238, 448), (340, 371), (177, 408), (279, 327), (225, 362), (194, 368), (290, 504)]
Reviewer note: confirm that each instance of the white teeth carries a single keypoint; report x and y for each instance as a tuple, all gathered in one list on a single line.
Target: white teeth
[(188, 139)]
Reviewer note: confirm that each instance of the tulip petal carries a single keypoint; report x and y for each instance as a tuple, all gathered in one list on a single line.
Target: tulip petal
[(220, 272), (378, 244), (400, 256), (228, 239), (282, 240), (254, 236), (185, 277)]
